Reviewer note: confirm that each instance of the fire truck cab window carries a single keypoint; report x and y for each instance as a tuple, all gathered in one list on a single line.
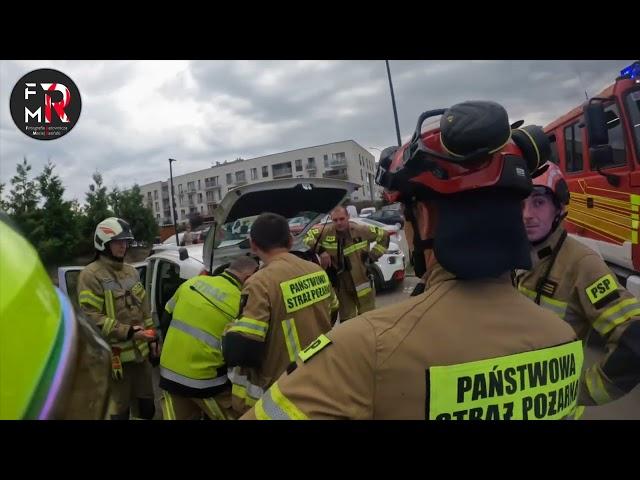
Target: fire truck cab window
[(554, 149), (573, 147), (616, 137), (633, 106)]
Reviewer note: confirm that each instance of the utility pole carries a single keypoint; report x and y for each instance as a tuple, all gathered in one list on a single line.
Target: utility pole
[(393, 102), (173, 203)]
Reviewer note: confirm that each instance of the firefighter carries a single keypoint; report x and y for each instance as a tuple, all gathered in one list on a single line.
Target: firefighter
[(285, 306), (192, 370), (54, 363), (470, 347), (571, 280), (111, 295), (345, 245)]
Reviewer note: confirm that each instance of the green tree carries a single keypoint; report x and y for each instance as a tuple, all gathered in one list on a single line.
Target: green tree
[(57, 235), (23, 200), (4, 206), (96, 210), (115, 198), (130, 207)]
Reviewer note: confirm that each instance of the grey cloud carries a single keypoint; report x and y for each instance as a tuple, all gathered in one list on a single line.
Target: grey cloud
[(254, 108)]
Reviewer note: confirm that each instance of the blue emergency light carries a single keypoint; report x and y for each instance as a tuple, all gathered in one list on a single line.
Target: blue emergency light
[(632, 71)]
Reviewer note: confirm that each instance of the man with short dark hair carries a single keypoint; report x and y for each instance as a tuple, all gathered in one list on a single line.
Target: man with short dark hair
[(284, 307), (192, 369), (572, 281), (345, 246)]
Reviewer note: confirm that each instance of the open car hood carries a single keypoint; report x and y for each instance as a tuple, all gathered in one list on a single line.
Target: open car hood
[(286, 197)]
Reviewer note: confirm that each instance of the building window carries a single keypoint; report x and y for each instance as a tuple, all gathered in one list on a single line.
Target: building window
[(573, 147), (201, 208), (210, 197), (254, 174), (298, 165), (157, 207), (158, 217), (282, 169), (210, 182), (326, 160), (361, 176), (219, 195), (229, 178), (180, 188), (240, 176), (191, 187), (337, 160), (181, 213), (210, 209), (155, 194), (190, 196), (199, 198), (199, 187), (265, 172), (311, 162), (181, 201)]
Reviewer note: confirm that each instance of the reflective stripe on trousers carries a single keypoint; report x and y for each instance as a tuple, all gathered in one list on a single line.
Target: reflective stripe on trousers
[(363, 289), (192, 382)]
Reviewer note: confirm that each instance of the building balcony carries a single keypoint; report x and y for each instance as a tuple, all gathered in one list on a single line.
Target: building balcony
[(282, 173), (211, 186), (310, 168), (336, 173), (335, 163)]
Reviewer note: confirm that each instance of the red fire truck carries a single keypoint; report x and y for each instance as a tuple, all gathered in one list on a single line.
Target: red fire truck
[(597, 146)]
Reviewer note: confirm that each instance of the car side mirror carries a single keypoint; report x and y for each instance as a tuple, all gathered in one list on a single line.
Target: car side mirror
[(600, 152), (596, 122)]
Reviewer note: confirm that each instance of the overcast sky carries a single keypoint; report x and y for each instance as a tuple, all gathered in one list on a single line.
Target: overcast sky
[(137, 114)]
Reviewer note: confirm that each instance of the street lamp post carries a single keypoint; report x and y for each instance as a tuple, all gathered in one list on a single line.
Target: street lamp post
[(393, 102), (173, 203)]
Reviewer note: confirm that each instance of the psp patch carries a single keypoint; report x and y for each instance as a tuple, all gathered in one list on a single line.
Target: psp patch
[(316, 346), (600, 291)]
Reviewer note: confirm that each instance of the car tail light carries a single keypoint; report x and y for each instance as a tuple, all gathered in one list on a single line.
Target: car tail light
[(398, 275)]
